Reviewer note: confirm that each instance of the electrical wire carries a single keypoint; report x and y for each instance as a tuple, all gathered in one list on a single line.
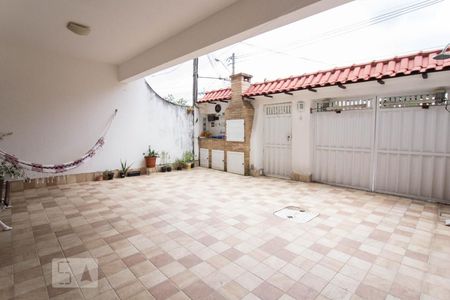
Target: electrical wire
[(341, 31), (287, 54), (173, 69), (366, 23), (212, 65)]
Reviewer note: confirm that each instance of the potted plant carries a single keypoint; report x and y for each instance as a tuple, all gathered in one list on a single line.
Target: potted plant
[(178, 164), (124, 168), (188, 158), (108, 175), (150, 157), (8, 171), (165, 162)]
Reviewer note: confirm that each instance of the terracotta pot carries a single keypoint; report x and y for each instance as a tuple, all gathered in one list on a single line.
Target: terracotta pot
[(150, 161)]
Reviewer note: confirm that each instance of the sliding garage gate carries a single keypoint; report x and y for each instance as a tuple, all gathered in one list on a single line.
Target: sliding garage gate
[(387, 144)]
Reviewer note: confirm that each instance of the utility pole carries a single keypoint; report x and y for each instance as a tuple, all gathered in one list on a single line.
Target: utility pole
[(233, 61), (195, 82), (194, 100)]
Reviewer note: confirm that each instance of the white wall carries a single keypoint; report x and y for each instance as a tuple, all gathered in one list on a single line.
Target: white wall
[(58, 106), (302, 156)]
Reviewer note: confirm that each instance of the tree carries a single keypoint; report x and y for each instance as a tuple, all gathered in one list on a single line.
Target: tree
[(179, 101)]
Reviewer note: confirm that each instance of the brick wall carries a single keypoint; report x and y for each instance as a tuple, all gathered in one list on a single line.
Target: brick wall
[(238, 108)]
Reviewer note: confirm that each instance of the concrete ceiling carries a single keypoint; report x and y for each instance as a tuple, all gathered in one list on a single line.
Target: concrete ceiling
[(120, 29), (145, 36)]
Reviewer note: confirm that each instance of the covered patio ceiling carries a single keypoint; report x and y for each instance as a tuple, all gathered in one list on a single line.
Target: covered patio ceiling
[(143, 37)]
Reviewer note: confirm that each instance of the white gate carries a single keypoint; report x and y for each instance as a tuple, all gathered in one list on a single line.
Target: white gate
[(413, 151), (343, 143), (277, 140), (391, 145)]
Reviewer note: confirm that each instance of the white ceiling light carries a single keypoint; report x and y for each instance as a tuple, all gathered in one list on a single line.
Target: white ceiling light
[(78, 28)]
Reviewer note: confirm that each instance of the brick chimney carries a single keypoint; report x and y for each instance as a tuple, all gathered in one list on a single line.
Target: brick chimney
[(239, 108)]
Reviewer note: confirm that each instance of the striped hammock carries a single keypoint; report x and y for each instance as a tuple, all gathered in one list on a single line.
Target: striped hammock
[(58, 168)]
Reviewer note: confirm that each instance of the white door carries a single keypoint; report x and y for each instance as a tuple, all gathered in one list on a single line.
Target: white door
[(204, 157), (277, 140), (343, 144), (235, 162), (217, 160)]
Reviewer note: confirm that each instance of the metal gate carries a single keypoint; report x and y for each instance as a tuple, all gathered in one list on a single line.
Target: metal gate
[(343, 142), (391, 145), (413, 149), (277, 140)]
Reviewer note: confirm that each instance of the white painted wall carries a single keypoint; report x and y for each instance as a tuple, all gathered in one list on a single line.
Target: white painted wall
[(302, 156), (58, 106)]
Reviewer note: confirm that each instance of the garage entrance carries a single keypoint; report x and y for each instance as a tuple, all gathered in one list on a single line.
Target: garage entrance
[(398, 145), (277, 140)]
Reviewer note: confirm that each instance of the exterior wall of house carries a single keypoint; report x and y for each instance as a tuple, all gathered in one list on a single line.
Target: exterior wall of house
[(302, 156), (58, 107)]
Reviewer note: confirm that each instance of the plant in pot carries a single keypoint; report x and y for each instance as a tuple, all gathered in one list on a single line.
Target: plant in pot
[(8, 171), (150, 157), (124, 168), (108, 175), (178, 164), (188, 159), (165, 165)]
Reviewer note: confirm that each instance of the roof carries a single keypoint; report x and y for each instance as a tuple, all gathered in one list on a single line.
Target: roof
[(222, 94), (417, 63), (398, 66)]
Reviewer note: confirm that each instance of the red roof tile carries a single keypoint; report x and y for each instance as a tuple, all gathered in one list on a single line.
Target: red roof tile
[(398, 66), (223, 94)]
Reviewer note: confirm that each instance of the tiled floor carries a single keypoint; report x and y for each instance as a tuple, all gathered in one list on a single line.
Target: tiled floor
[(205, 234)]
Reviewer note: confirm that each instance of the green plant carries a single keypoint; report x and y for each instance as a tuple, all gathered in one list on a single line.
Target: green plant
[(108, 175), (151, 152), (9, 170), (124, 168), (178, 164), (188, 156)]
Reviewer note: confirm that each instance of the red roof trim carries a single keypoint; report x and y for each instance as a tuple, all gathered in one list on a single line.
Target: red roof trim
[(222, 94), (397, 66)]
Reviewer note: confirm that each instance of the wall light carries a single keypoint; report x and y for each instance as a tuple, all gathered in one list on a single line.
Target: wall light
[(443, 55), (79, 29)]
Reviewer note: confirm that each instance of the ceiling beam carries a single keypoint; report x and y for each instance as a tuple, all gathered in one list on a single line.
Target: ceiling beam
[(230, 25)]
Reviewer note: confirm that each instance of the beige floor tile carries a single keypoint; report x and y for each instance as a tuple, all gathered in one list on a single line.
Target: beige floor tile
[(363, 245)]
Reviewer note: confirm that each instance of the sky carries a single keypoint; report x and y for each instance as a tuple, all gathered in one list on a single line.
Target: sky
[(357, 32)]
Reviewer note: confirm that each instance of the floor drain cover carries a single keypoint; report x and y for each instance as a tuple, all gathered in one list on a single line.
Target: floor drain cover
[(296, 214)]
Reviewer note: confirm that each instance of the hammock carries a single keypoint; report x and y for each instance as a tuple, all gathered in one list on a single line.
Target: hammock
[(59, 168)]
